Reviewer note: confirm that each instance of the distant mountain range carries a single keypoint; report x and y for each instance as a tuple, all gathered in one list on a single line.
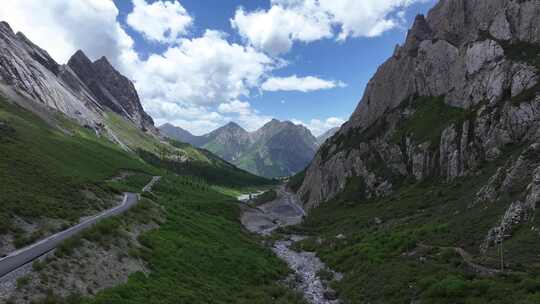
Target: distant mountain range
[(277, 149)]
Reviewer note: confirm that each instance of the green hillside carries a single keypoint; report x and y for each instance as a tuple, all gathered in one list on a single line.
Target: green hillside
[(59, 170)]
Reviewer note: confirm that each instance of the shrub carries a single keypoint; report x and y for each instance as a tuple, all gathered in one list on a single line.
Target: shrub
[(22, 282), (450, 287)]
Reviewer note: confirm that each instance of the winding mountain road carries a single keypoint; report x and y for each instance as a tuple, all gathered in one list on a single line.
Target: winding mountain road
[(28, 254)]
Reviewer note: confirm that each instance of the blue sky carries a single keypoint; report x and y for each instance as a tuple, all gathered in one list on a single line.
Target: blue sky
[(201, 63)]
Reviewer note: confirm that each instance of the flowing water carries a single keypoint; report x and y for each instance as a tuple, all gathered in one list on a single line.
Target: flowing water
[(285, 211)]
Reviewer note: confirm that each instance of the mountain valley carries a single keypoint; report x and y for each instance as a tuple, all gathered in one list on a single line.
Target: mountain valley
[(428, 193)]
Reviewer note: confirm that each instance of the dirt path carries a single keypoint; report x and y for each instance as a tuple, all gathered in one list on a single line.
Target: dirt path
[(286, 211), (468, 259)]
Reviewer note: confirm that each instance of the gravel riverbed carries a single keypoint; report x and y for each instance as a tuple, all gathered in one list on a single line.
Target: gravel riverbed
[(285, 211)]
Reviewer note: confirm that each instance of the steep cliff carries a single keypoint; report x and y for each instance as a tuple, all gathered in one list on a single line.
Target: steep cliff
[(461, 91), (83, 90)]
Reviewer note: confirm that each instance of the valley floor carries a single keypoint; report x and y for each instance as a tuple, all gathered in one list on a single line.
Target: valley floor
[(311, 276)]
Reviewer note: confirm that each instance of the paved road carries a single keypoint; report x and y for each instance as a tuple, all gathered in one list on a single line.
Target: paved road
[(26, 255)]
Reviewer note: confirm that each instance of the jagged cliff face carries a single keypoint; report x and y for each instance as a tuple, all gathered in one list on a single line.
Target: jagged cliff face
[(110, 88), (462, 90), (83, 90), (28, 72)]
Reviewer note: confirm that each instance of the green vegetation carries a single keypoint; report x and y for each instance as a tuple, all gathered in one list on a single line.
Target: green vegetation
[(214, 171), (63, 169), (431, 116), (295, 182), (265, 197), (200, 254), (129, 182), (405, 246), (22, 282)]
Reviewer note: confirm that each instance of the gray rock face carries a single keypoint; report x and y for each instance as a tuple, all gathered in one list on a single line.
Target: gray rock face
[(29, 71), (82, 90), (326, 135), (482, 56), (110, 88)]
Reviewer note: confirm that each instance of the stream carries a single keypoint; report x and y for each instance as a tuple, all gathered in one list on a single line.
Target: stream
[(286, 211)]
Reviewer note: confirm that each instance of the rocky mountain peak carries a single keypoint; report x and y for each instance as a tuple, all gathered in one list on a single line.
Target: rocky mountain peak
[(419, 32), (6, 28), (110, 88), (475, 59), (234, 126)]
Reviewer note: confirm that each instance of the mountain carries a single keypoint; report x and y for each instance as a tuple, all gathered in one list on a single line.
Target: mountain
[(473, 92), (110, 88), (276, 149), (180, 134), (229, 141), (326, 135), (434, 181), (279, 149)]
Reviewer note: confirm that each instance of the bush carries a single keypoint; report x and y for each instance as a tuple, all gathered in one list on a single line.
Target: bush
[(22, 282), (450, 287)]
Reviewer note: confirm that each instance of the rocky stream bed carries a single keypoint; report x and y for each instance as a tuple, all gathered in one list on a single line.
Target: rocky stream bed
[(285, 211)]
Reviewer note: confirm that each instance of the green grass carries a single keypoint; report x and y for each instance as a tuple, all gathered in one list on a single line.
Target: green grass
[(43, 170), (383, 256), (265, 197), (295, 182), (200, 254), (430, 118), (133, 182), (214, 171)]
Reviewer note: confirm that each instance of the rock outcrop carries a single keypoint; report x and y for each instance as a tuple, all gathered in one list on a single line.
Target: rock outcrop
[(110, 88), (463, 89), (28, 71), (83, 90)]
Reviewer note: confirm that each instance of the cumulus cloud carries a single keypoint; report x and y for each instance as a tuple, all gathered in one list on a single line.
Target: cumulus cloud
[(302, 84), (198, 83), (248, 117), (63, 26), (205, 70), (163, 22), (276, 29), (197, 119), (318, 126)]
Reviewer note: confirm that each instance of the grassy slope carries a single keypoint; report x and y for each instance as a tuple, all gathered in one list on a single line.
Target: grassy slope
[(401, 247), (43, 169), (201, 254), (210, 168), (387, 262)]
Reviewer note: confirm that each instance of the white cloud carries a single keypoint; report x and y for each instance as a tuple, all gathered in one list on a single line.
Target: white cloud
[(286, 21), (318, 127), (63, 26), (302, 84), (160, 21), (205, 70), (197, 119), (235, 106), (248, 117), (197, 83), (275, 30)]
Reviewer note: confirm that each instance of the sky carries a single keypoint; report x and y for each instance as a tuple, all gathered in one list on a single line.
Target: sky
[(199, 64)]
